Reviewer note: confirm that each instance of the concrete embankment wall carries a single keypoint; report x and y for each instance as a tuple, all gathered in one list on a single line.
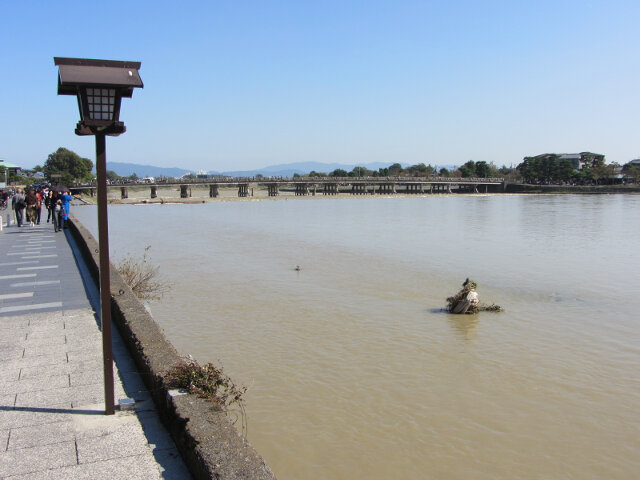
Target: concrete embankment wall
[(210, 445)]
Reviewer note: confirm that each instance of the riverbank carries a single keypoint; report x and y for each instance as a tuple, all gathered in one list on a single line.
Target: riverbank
[(571, 189)]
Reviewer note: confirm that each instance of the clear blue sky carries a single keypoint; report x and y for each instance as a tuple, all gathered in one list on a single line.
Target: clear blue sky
[(235, 85)]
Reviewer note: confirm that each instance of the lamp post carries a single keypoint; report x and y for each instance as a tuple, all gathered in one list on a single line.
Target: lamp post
[(99, 86)]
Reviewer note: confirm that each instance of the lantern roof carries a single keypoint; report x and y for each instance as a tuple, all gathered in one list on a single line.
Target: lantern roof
[(86, 72)]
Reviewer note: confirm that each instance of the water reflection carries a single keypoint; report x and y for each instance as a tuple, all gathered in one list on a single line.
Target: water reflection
[(466, 326)]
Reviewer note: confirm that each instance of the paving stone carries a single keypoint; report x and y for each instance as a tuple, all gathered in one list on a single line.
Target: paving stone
[(4, 438), (84, 355), (171, 464), (35, 459), (119, 442), (155, 431), (44, 360), (11, 352), (37, 384), (43, 398), (132, 382), (43, 372), (35, 341), (29, 416), (43, 349), (43, 434), (85, 378), (138, 467), (7, 400), (9, 373)]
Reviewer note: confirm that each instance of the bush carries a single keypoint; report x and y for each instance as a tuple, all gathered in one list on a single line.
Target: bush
[(212, 384), (142, 277)]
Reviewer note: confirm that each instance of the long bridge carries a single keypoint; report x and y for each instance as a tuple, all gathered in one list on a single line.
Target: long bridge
[(314, 185)]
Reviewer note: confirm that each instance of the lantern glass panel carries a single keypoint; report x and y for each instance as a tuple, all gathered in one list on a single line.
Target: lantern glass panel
[(100, 102)]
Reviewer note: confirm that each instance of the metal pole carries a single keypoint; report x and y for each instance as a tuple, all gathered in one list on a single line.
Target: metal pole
[(105, 282)]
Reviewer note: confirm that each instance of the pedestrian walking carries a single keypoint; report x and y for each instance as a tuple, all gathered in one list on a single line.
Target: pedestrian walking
[(32, 206), (18, 203), (49, 205), (65, 199), (39, 205)]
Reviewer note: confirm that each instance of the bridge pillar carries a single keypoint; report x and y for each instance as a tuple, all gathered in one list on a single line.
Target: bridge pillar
[(330, 189), (302, 189), (448, 188), (272, 188), (184, 191), (124, 193), (358, 189), (243, 189), (213, 190), (154, 192)]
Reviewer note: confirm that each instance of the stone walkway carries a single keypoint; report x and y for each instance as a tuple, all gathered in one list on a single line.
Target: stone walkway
[(52, 422)]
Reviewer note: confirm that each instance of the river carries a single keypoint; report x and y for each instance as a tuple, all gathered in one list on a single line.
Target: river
[(354, 370)]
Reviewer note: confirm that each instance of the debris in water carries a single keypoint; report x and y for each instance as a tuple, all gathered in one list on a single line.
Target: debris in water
[(467, 300)]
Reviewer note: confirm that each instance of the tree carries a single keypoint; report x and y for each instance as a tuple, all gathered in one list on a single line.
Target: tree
[(359, 172), (420, 170), (444, 172), (631, 170), (71, 166), (482, 169), (468, 169), (565, 171), (338, 172), (112, 176), (395, 170)]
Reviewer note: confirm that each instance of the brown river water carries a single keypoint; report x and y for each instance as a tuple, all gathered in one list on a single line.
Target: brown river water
[(355, 372)]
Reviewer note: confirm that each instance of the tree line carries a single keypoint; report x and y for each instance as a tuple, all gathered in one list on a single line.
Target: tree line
[(479, 169)]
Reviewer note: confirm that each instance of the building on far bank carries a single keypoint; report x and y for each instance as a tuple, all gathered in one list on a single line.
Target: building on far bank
[(11, 168), (578, 160)]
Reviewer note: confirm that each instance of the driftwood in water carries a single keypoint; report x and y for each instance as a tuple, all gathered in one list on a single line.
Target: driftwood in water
[(467, 301)]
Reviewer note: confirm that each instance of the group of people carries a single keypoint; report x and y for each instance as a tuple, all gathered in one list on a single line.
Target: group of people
[(56, 203)]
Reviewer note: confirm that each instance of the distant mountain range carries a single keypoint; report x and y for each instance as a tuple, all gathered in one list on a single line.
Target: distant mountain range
[(283, 170)]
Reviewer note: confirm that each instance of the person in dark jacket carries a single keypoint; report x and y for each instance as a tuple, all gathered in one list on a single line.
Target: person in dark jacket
[(18, 204), (32, 206)]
